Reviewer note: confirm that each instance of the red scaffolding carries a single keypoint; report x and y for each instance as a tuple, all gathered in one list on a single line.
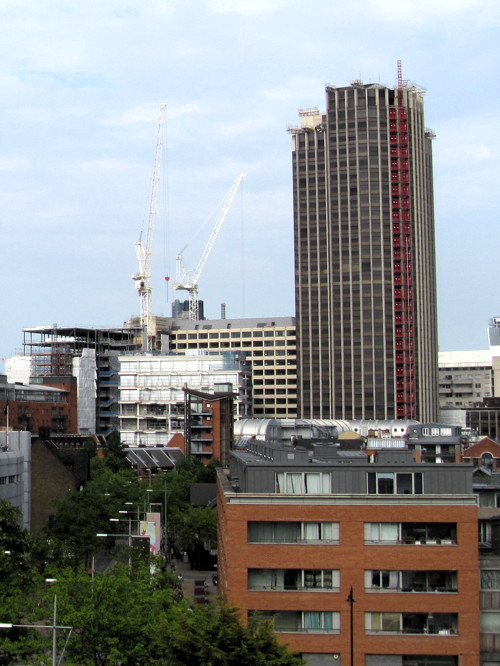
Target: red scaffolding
[(402, 243)]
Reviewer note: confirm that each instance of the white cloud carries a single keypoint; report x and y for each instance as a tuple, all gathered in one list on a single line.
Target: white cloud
[(10, 164), (423, 11), (246, 7), (106, 165), (149, 113), (296, 88), (242, 127), (468, 140)]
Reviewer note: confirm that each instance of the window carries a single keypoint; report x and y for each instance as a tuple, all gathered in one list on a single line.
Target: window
[(484, 530), (321, 621), (382, 580), (382, 532), (410, 581), (292, 532), (411, 533), (415, 660), (320, 532), (429, 533), (299, 483), (490, 579), (379, 622), (487, 461), (320, 579), (412, 623), (293, 579), (303, 621), (490, 622), (400, 483)]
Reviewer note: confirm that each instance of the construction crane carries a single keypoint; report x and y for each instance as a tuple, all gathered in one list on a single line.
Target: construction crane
[(188, 280), (143, 249)]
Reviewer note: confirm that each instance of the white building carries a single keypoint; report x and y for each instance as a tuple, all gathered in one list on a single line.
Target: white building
[(18, 369), (15, 471), (152, 396), (465, 378)]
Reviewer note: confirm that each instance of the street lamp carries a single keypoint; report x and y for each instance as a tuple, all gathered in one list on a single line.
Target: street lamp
[(117, 520), (351, 601), (147, 500), (130, 535), (54, 627)]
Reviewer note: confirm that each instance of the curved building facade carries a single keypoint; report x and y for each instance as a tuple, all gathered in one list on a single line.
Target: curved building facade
[(365, 256)]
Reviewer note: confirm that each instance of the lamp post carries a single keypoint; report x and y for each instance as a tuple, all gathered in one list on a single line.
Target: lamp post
[(147, 501), (350, 600), (167, 552), (117, 520), (54, 627)]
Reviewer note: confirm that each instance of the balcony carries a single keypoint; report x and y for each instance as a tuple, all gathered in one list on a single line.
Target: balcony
[(429, 624)]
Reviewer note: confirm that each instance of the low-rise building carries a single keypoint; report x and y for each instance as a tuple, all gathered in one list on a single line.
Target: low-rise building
[(209, 423), (357, 562), (465, 378), (38, 407), (152, 396), (484, 419), (90, 355), (436, 442)]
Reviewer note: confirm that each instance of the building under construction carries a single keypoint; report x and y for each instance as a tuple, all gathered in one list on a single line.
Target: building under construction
[(91, 354)]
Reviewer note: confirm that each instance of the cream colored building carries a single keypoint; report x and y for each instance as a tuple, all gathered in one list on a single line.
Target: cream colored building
[(270, 347), (466, 378)]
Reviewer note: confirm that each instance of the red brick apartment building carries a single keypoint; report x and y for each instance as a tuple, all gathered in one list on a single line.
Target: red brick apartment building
[(50, 405), (299, 529)]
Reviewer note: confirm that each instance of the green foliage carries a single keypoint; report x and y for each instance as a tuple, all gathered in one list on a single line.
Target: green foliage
[(14, 542), (215, 636), (192, 530), (125, 616), (189, 528), (17, 577), (83, 514), (113, 614), (115, 458)]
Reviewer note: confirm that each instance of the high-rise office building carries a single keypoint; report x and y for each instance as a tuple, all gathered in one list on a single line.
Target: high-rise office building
[(365, 256)]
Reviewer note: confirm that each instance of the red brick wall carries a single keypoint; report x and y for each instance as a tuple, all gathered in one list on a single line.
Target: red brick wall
[(352, 557)]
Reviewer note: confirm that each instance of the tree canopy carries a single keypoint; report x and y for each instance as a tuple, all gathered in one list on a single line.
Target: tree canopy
[(122, 615)]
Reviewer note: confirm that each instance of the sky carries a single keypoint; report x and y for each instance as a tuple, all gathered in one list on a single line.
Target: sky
[(81, 83)]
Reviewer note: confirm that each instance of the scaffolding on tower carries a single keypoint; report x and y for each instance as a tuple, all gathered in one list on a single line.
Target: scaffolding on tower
[(402, 241)]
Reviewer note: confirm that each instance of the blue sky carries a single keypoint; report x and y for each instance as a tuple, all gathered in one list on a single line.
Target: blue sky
[(81, 83)]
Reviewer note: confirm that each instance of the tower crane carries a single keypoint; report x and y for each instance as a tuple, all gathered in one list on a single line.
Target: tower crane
[(143, 249), (188, 280)]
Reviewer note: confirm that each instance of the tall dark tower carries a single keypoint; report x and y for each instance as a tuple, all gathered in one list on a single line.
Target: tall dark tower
[(365, 284)]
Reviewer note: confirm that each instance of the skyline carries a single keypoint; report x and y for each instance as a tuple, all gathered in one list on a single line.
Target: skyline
[(82, 86)]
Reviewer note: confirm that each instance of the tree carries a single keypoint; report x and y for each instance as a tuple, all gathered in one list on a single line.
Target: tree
[(18, 576), (113, 614), (188, 528), (193, 530), (215, 636), (83, 514), (114, 456)]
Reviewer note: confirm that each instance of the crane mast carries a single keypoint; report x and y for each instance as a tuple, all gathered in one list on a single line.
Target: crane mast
[(188, 280), (143, 249)]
